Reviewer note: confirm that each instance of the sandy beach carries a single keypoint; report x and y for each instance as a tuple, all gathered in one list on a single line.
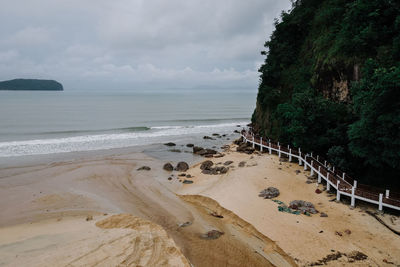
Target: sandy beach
[(102, 211)]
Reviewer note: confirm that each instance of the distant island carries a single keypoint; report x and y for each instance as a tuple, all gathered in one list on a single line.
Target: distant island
[(31, 85)]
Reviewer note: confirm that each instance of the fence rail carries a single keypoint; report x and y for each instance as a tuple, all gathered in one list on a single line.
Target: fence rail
[(339, 180)]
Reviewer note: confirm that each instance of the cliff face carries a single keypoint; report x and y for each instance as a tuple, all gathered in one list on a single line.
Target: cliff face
[(314, 84), (31, 85)]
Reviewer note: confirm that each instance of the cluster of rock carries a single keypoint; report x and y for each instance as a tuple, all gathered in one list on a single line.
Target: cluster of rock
[(207, 168), (303, 206), (206, 152), (181, 166), (270, 192)]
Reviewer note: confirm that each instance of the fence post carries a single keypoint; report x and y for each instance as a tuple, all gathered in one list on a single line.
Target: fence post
[(253, 142), (317, 157), (325, 163), (337, 191), (319, 174), (312, 169), (343, 175), (279, 150), (290, 154), (380, 201), (299, 157), (353, 199), (269, 148), (311, 154), (305, 162), (387, 193), (328, 185), (333, 169), (355, 184), (261, 144)]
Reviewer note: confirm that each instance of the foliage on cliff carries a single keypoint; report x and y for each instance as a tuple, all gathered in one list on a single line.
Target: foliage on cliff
[(330, 84), (31, 85)]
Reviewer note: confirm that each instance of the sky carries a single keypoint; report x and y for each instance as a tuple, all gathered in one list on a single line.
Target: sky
[(137, 44)]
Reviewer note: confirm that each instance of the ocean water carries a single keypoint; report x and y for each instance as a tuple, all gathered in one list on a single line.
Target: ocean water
[(37, 123)]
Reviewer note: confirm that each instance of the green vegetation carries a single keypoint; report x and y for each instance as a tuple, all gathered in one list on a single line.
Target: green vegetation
[(330, 84), (31, 85)]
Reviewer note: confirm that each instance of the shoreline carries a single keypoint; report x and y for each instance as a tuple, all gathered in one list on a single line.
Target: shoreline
[(69, 197)]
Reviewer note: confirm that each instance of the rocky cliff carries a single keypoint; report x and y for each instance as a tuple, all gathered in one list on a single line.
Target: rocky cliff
[(329, 83)]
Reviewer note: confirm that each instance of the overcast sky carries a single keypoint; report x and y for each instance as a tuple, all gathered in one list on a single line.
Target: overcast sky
[(136, 44)]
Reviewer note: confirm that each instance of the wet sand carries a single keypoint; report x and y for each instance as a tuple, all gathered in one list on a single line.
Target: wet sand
[(100, 210)]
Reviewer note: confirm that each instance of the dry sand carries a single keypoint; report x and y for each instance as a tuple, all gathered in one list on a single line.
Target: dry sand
[(306, 239), (101, 211)]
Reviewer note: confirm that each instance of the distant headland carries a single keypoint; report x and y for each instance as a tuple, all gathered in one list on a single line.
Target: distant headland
[(31, 85)]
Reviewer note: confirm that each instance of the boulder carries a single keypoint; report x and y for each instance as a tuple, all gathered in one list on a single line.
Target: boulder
[(168, 167), (182, 166), (270, 192), (170, 144), (196, 149), (219, 155), (227, 163), (208, 137), (175, 150), (190, 145), (206, 165), (188, 176), (187, 182), (144, 168), (242, 163), (323, 214), (215, 134)]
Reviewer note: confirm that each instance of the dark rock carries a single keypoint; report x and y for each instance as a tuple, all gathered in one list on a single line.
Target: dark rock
[(214, 214), (244, 148), (144, 168), (188, 176), (190, 145), (168, 167), (215, 134), (175, 150), (169, 178), (187, 182), (206, 165), (238, 141), (297, 172), (208, 137), (223, 135), (213, 234), (323, 214), (242, 163), (182, 174), (219, 155), (270, 192), (196, 149), (182, 166), (227, 163), (236, 131), (318, 191), (208, 155), (222, 169), (170, 144)]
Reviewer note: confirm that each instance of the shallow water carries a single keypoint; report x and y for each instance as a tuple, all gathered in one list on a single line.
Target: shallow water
[(33, 123)]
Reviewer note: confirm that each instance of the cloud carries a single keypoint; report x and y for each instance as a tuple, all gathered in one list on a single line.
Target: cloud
[(130, 44)]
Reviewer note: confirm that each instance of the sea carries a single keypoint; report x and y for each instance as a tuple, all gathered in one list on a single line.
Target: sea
[(46, 123)]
